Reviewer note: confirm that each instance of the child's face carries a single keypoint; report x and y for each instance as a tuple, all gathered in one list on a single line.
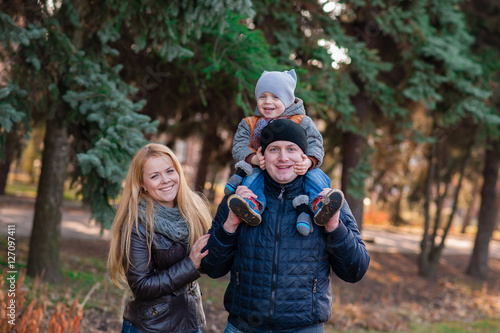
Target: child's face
[(270, 106)]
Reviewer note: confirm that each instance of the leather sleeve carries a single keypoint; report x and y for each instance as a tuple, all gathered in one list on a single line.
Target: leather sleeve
[(147, 282)]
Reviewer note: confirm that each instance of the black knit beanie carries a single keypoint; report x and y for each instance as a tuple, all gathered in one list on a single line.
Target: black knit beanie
[(283, 130)]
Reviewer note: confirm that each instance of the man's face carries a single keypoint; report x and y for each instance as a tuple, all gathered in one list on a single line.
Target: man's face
[(280, 159)]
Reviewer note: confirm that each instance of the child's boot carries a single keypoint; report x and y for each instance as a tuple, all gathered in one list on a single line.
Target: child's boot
[(245, 209), (243, 169), (303, 224), (324, 207)]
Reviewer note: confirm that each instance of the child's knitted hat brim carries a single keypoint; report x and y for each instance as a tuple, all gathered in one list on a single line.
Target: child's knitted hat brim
[(280, 84)]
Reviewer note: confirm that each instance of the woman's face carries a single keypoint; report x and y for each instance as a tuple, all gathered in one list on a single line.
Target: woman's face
[(161, 180)]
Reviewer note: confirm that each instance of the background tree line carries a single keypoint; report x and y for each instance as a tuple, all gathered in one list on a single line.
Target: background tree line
[(405, 92)]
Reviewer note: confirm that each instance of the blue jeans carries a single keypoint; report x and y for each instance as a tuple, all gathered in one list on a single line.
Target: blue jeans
[(315, 181), (127, 327), (319, 328)]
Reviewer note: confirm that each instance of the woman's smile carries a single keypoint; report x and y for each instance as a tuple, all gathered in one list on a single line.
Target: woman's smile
[(161, 180)]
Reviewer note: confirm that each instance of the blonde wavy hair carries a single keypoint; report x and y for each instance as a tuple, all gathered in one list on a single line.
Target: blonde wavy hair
[(192, 205)]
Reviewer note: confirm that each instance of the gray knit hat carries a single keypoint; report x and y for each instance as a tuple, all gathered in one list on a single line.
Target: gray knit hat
[(281, 84)]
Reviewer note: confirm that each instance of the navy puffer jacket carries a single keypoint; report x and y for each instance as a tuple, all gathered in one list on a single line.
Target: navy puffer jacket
[(280, 279)]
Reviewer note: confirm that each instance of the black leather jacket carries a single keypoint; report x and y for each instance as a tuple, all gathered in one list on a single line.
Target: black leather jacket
[(166, 297)]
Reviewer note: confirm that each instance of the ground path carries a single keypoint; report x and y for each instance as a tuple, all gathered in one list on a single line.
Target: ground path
[(77, 224)]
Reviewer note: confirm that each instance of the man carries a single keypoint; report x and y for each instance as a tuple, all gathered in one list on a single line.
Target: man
[(280, 280)]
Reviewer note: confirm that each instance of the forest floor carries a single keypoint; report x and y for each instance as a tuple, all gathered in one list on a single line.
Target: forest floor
[(391, 297)]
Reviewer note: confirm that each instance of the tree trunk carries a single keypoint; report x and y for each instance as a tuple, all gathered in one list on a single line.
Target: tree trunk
[(429, 266), (478, 264), (12, 145), (470, 209), (353, 150), (43, 258), (353, 145), (425, 243), (396, 209), (497, 205), (209, 146), (431, 250)]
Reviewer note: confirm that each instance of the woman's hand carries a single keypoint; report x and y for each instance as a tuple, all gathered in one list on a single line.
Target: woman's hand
[(196, 255)]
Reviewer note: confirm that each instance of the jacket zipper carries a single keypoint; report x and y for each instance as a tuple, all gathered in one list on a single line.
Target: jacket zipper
[(276, 247), (281, 194)]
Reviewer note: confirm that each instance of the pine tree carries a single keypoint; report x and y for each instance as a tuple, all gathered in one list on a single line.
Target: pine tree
[(65, 62), (402, 56), (482, 17), (206, 94)]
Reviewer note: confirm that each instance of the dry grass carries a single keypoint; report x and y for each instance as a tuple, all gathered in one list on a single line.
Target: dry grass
[(28, 310), (391, 297)]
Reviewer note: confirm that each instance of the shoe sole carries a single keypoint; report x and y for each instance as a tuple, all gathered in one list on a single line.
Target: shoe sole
[(242, 210), (332, 202)]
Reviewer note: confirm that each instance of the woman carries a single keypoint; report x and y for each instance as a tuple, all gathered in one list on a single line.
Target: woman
[(158, 235)]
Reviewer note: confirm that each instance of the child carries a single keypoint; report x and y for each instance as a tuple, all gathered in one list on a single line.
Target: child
[(274, 92)]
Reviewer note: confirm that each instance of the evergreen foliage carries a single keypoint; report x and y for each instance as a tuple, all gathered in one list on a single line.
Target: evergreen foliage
[(113, 129), (425, 57), (9, 114), (482, 18), (415, 74), (402, 55), (13, 106), (65, 54), (205, 95)]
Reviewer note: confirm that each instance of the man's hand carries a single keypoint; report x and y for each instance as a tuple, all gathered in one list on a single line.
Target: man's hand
[(333, 223), (335, 220), (232, 221), (302, 167)]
